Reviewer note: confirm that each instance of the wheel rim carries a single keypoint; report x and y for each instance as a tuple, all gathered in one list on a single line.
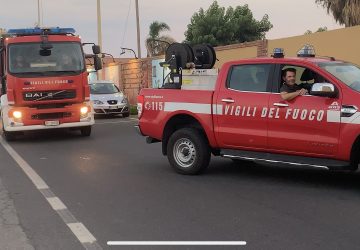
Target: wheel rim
[(184, 153)]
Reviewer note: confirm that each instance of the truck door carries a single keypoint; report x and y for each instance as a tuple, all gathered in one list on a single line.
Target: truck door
[(239, 103), (307, 125)]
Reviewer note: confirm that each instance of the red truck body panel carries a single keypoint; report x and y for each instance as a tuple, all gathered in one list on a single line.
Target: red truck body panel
[(309, 126)]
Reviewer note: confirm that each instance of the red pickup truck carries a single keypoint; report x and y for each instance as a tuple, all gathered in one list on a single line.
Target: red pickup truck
[(245, 117)]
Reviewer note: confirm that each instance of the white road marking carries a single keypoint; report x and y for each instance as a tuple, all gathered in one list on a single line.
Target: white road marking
[(33, 176), (176, 243), (81, 232), (56, 203)]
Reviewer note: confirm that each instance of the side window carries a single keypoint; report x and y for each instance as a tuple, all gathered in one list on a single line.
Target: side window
[(249, 77), (304, 76)]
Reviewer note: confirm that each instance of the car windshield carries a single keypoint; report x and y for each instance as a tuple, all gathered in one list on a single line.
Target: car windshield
[(103, 88), (30, 59), (346, 72)]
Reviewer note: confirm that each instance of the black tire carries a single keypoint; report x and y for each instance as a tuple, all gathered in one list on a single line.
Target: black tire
[(126, 115), (85, 131), (9, 136), (188, 151)]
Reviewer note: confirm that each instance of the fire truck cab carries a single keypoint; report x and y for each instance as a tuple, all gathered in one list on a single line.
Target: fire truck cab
[(44, 81)]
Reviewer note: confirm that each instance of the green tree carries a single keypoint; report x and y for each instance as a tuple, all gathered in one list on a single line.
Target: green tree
[(345, 12), (220, 26), (154, 44)]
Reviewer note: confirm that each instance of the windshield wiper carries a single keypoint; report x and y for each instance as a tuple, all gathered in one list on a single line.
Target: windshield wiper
[(54, 94)]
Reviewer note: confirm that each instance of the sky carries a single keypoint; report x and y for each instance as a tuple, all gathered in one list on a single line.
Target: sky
[(289, 17)]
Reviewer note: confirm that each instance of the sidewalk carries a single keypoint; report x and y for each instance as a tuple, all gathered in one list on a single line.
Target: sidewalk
[(12, 236)]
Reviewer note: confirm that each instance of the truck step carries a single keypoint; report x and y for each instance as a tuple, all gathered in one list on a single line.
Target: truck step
[(293, 160)]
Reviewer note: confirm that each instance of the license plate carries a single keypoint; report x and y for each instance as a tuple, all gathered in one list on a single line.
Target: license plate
[(113, 107), (52, 123)]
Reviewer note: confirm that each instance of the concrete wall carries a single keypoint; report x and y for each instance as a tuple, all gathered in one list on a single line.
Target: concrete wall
[(112, 73), (342, 44), (240, 51)]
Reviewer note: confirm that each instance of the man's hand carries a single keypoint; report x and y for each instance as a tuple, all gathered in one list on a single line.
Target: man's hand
[(289, 96), (302, 92)]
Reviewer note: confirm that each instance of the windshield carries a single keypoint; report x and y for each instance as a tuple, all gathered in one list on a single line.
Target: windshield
[(30, 59), (103, 88), (345, 72)]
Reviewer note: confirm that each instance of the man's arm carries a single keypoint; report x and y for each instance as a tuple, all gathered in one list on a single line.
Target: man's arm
[(289, 96)]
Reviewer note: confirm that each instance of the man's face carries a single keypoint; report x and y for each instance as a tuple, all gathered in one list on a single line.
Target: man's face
[(289, 78)]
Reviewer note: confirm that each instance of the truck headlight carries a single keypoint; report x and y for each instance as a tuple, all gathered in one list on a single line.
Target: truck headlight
[(84, 111), (17, 114)]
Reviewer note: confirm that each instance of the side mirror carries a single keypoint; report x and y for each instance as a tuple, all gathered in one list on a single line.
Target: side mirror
[(323, 89), (96, 49), (97, 63)]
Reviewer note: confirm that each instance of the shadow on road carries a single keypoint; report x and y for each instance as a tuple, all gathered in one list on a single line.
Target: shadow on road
[(302, 176)]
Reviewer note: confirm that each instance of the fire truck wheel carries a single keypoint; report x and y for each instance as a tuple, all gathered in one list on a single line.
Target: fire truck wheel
[(9, 136), (85, 131), (188, 151)]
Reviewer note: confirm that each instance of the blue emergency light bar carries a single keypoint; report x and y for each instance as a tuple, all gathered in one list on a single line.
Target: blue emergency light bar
[(41, 31), (278, 53)]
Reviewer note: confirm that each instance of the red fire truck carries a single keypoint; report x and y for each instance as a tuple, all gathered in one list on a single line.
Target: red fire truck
[(244, 116), (44, 81)]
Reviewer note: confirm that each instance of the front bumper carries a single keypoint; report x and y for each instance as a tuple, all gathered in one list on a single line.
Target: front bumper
[(42, 127), (111, 109), (52, 118)]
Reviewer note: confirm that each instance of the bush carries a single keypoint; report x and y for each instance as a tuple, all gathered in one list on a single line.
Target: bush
[(133, 110)]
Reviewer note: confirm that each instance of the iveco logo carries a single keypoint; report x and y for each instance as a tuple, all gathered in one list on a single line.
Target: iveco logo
[(33, 95), (38, 95)]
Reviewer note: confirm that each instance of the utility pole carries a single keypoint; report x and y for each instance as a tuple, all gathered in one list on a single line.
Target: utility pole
[(38, 22), (138, 28), (99, 24), (99, 73)]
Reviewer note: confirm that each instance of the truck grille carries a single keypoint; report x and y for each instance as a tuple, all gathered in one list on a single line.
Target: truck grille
[(49, 95), (49, 116)]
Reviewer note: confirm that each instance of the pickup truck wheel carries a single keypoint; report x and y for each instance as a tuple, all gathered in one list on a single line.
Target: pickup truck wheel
[(85, 131), (188, 151)]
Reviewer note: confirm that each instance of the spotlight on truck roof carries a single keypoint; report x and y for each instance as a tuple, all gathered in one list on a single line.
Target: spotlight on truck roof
[(278, 53), (306, 51)]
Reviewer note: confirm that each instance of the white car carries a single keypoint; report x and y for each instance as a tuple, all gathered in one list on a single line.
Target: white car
[(108, 99)]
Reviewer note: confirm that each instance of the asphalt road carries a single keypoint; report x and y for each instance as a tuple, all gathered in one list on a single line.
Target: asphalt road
[(123, 189)]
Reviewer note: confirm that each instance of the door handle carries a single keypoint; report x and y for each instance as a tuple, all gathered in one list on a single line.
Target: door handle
[(283, 105), (228, 100)]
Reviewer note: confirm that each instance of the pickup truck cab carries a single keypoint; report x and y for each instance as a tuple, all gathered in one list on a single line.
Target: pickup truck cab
[(245, 117)]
